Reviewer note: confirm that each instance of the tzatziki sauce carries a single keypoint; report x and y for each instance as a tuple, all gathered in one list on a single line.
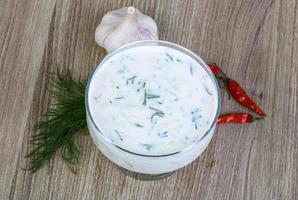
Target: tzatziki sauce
[(152, 100)]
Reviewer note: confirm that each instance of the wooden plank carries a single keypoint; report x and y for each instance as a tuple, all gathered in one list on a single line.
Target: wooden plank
[(255, 42), (24, 29)]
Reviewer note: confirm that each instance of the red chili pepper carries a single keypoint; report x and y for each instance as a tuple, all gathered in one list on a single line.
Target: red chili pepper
[(236, 91), (217, 71), (238, 118), (214, 68), (240, 95)]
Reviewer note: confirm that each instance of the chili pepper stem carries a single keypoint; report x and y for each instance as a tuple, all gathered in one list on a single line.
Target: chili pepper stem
[(225, 81), (221, 77), (255, 118)]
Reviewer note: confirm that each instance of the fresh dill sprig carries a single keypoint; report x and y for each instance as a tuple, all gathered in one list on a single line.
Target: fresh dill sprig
[(57, 127)]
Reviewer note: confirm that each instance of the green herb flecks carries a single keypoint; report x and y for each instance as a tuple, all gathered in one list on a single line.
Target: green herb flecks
[(191, 69), (130, 80), (155, 109), (163, 134), (197, 118), (207, 90), (169, 56), (58, 126), (139, 125), (145, 98), (148, 146), (158, 113), (118, 134), (178, 60), (152, 96)]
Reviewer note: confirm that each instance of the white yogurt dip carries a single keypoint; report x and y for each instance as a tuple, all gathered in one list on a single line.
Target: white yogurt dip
[(149, 105)]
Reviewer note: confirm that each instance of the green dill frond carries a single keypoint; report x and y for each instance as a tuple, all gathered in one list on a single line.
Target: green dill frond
[(57, 127)]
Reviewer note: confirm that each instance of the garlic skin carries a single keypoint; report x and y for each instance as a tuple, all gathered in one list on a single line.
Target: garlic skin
[(122, 26)]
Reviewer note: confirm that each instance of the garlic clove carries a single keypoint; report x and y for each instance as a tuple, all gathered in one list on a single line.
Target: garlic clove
[(122, 26)]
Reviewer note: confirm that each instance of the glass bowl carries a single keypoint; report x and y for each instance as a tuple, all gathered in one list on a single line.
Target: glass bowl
[(142, 166)]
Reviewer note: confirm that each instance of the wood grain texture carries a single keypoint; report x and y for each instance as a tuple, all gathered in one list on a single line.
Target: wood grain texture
[(254, 41)]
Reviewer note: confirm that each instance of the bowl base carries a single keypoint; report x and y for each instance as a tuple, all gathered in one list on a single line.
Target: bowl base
[(145, 177)]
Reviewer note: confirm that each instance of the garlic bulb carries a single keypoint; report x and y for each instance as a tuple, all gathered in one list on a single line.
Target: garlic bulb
[(122, 26)]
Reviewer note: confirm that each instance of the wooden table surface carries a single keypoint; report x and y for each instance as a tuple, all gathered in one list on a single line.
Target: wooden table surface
[(254, 41)]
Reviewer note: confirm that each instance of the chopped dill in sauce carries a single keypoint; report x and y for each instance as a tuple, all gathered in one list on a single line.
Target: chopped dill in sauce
[(169, 56), (152, 96), (130, 80), (157, 113), (178, 60), (139, 125), (191, 69), (163, 134), (145, 98), (118, 134), (148, 146), (207, 90)]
